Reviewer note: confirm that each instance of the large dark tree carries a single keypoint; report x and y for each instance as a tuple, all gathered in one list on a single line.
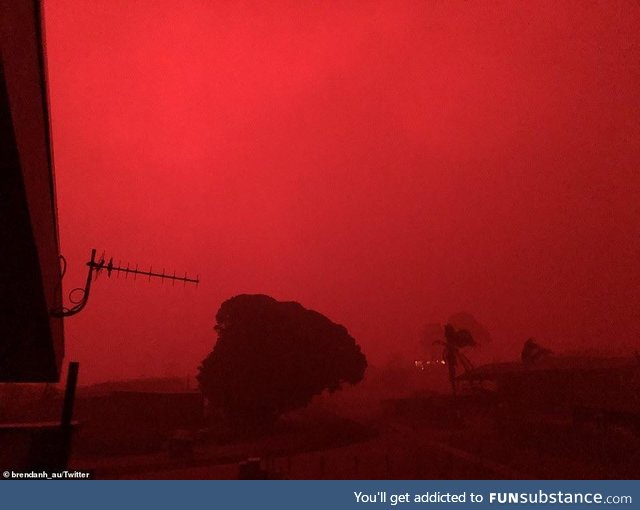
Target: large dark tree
[(272, 357)]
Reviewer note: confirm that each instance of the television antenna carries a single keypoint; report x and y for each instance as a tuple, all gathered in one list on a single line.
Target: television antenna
[(79, 296)]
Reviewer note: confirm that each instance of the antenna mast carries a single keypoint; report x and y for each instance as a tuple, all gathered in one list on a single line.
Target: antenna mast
[(96, 267)]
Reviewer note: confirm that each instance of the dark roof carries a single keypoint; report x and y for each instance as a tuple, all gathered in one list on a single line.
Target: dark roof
[(494, 371), (31, 426), (141, 385)]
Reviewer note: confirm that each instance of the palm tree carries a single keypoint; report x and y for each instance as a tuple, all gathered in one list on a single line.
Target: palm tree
[(533, 352), (454, 341)]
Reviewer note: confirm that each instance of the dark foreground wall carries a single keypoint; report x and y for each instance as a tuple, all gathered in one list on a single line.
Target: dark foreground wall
[(31, 341)]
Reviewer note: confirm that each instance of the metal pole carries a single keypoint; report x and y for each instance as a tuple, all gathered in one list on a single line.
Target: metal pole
[(69, 394), (67, 413)]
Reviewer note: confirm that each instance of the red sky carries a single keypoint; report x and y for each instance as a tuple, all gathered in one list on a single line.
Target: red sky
[(387, 163)]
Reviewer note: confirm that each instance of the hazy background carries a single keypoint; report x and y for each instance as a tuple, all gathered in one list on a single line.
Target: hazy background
[(387, 163)]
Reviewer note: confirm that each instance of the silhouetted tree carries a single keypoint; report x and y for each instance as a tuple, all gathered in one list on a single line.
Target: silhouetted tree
[(454, 341), (272, 357), (464, 320), (532, 352), (432, 332)]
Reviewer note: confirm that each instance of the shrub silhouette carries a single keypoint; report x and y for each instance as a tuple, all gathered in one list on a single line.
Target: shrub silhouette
[(272, 357)]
